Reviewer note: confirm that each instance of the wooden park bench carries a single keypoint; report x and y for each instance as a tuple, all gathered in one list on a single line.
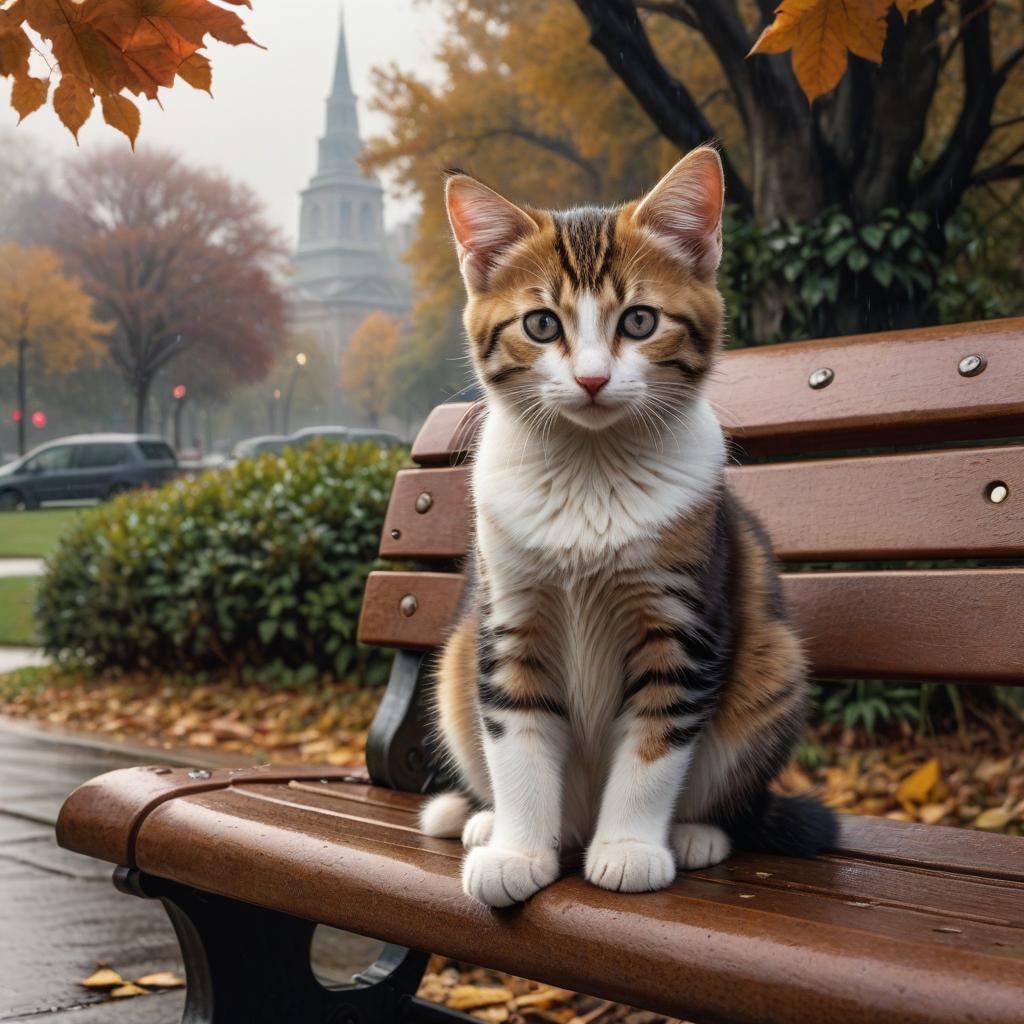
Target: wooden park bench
[(914, 465)]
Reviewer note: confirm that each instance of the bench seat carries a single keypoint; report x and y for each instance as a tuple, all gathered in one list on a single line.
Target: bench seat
[(902, 923)]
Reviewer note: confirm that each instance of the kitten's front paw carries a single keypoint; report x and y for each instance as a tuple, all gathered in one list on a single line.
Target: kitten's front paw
[(499, 878), (628, 865), (699, 846), (478, 829)]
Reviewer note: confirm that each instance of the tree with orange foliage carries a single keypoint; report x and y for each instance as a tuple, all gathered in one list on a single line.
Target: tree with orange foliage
[(102, 49), (46, 320), (368, 364), (179, 260)]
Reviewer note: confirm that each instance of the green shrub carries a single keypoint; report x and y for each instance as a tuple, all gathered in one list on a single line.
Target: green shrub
[(258, 567)]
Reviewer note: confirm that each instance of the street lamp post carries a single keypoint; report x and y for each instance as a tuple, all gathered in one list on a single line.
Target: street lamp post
[(275, 397), (178, 391), (300, 361)]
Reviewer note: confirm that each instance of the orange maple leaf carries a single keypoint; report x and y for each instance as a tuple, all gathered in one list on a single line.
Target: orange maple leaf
[(821, 34), (106, 47)]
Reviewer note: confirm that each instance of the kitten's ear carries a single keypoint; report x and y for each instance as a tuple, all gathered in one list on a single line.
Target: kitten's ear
[(685, 209), (485, 226)]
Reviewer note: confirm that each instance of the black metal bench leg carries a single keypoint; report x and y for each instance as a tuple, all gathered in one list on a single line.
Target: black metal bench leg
[(248, 965)]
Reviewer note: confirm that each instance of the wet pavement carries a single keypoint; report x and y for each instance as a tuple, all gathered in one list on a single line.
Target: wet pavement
[(59, 913)]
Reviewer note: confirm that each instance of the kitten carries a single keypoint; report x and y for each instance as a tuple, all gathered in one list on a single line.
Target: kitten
[(623, 678)]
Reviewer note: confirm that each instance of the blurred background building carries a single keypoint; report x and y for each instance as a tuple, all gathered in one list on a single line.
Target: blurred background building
[(346, 264)]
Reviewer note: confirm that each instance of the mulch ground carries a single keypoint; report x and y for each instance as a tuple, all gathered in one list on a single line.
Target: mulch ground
[(971, 777)]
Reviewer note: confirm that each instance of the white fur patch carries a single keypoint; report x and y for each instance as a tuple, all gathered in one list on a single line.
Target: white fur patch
[(699, 846), (478, 829), (444, 816), (579, 498)]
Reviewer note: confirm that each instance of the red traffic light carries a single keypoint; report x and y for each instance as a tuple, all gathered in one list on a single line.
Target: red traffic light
[(16, 416), (39, 419), (179, 391)]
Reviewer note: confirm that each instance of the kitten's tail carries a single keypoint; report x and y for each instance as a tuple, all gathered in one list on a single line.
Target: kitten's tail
[(793, 826)]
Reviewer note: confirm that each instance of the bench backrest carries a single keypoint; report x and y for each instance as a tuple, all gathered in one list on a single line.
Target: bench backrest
[(890, 454)]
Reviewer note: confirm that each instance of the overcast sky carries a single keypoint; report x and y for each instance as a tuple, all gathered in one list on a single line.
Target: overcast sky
[(267, 109)]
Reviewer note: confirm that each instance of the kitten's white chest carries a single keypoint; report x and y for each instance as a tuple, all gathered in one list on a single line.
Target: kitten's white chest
[(574, 500)]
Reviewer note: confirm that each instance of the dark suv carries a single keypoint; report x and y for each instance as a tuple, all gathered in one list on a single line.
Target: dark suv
[(86, 466)]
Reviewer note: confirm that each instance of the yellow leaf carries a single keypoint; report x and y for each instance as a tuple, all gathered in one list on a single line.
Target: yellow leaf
[(105, 977), (993, 819), (72, 99), (468, 997), (120, 113), (28, 94), (197, 72), (917, 787), (821, 33), (162, 979), (127, 991)]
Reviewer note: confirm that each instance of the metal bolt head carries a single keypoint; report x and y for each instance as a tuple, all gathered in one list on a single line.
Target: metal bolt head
[(821, 378), (396, 533), (423, 502), (972, 365), (997, 492), (198, 773), (408, 605)]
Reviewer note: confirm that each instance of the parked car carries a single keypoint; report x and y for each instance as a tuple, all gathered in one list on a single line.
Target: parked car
[(346, 435), (253, 446), (85, 466)]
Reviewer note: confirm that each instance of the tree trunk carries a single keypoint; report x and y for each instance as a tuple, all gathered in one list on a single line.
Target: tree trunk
[(22, 393), (142, 385)]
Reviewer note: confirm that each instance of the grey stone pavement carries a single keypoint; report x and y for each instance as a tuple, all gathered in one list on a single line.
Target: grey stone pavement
[(59, 913)]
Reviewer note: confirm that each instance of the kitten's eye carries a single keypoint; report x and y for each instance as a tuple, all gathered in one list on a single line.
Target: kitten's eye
[(542, 325), (638, 322)]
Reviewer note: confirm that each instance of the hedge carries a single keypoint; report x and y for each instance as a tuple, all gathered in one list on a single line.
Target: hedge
[(258, 568)]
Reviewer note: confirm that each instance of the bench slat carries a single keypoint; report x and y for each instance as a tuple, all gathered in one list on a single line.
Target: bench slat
[(954, 624), (442, 529), (697, 950), (919, 505), (898, 386)]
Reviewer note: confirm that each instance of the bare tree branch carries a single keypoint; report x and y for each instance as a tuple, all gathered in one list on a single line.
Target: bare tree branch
[(941, 186), (616, 32), (1001, 172)]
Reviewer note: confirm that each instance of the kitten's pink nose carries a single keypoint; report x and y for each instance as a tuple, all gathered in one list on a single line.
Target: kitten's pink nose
[(592, 384)]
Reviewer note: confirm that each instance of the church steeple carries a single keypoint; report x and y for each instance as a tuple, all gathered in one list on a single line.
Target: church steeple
[(342, 83), (340, 142)]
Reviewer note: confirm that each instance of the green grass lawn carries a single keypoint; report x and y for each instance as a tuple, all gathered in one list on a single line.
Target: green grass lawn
[(33, 534), (17, 601)]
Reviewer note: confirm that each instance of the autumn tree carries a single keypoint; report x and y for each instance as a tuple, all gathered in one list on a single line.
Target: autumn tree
[(367, 366), (537, 100), (179, 260), (878, 148), (46, 320)]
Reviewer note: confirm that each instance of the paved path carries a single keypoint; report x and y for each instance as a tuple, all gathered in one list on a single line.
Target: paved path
[(20, 657), (22, 567), (59, 913)]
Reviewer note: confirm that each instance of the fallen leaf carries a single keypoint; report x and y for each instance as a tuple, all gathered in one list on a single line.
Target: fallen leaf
[(918, 785), (127, 991), (162, 979), (992, 820), (104, 977), (468, 997)]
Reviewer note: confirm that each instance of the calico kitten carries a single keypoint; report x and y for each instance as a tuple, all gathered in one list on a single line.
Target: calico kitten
[(623, 678)]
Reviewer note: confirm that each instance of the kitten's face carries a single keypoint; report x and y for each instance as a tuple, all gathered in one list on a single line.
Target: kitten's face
[(594, 315)]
